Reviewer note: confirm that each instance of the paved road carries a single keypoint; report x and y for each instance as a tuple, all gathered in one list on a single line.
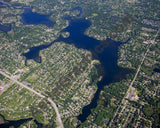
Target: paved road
[(40, 95), (58, 115), (134, 78), (142, 63)]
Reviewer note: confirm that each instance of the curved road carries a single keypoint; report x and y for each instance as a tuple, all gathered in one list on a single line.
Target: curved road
[(39, 94)]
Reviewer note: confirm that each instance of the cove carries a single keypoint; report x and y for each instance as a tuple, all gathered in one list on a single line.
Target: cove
[(5, 28), (29, 17), (15, 123), (108, 58), (77, 27)]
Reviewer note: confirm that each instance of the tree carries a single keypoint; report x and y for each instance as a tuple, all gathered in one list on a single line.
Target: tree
[(148, 111)]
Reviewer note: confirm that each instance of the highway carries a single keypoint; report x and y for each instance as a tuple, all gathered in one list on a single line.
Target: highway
[(40, 95)]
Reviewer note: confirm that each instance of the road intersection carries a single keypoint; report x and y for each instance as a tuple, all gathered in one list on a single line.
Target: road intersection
[(39, 94)]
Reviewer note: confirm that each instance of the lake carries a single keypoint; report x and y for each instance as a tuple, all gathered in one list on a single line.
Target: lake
[(30, 18), (108, 58), (76, 28)]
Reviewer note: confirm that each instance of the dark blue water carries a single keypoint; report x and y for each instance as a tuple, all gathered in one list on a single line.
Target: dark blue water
[(76, 28), (5, 4), (108, 58), (34, 53), (156, 70), (5, 28), (29, 17), (15, 123)]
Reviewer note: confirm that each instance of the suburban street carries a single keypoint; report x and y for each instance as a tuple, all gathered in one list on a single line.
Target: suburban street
[(40, 95), (130, 86)]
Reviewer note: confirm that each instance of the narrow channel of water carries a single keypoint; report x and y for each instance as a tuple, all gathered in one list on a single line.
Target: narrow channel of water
[(15, 123)]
